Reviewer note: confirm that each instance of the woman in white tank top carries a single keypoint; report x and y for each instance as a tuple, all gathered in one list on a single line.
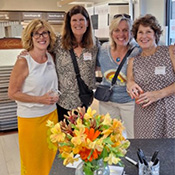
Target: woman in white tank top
[(32, 79)]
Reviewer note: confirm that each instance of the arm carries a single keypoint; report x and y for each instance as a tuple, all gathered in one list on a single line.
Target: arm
[(132, 88), (17, 78), (97, 67), (149, 97), (172, 55)]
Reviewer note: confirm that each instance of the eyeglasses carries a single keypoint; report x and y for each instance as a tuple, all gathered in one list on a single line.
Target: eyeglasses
[(43, 34), (124, 15)]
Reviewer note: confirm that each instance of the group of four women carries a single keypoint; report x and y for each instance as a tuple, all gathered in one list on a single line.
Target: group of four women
[(150, 80)]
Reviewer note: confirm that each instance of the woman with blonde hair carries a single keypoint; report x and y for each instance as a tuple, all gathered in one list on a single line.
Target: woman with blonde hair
[(32, 79), (110, 56)]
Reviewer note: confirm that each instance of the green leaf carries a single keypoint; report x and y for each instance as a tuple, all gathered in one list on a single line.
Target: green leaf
[(108, 141), (69, 136), (103, 127), (66, 144), (87, 170), (90, 154), (105, 152), (98, 118)]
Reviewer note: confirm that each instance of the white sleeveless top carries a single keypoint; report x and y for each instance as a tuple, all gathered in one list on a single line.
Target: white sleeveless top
[(41, 79)]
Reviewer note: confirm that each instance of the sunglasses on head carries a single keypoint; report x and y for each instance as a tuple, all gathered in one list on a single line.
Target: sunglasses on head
[(124, 15)]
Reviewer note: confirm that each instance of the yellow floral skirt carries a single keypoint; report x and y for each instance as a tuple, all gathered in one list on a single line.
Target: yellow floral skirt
[(36, 156)]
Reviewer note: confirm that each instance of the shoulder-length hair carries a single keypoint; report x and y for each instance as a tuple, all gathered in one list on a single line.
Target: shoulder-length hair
[(34, 26), (68, 38), (113, 26), (147, 21)]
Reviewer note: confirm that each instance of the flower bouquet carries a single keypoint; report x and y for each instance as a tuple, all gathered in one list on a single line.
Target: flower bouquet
[(91, 136)]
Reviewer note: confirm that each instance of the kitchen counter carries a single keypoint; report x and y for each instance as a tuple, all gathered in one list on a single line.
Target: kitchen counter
[(166, 155)]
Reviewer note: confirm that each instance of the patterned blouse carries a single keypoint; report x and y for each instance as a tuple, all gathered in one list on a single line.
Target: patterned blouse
[(67, 81)]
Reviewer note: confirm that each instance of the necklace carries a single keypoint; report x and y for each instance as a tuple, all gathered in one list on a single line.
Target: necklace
[(118, 59)]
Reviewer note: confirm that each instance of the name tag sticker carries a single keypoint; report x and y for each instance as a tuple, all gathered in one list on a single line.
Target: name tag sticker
[(87, 56), (50, 65), (160, 70)]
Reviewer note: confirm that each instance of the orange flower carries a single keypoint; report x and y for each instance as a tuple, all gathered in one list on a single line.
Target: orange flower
[(85, 153), (91, 134)]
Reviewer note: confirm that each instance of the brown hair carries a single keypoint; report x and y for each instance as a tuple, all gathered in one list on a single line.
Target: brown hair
[(34, 26), (147, 21), (68, 38)]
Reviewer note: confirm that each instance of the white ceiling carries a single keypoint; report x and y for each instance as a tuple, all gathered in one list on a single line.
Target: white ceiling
[(52, 5), (67, 4)]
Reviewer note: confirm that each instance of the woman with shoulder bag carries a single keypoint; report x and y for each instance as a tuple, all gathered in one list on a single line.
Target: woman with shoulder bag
[(76, 36), (110, 56)]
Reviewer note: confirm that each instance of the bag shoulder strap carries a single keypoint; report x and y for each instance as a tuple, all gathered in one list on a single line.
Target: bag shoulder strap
[(120, 66), (76, 68)]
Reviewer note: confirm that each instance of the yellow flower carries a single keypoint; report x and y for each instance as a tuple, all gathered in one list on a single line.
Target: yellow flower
[(77, 149), (107, 132), (107, 120), (66, 149), (89, 114), (97, 144), (117, 126), (79, 124), (112, 159), (68, 158), (79, 137), (57, 135), (116, 139), (50, 123)]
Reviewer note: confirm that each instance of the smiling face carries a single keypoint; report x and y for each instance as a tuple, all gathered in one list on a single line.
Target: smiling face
[(78, 24), (146, 37), (121, 35), (41, 38)]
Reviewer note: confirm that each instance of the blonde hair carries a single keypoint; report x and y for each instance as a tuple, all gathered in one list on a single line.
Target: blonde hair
[(34, 26), (114, 24)]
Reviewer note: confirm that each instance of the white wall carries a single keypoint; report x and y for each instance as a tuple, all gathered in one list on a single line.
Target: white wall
[(156, 8), (8, 56), (10, 29), (103, 11)]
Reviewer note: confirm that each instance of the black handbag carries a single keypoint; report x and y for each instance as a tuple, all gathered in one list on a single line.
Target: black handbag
[(86, 95), (103, 92)]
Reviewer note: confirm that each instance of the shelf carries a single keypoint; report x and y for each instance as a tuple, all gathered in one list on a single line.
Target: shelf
[(8, 118)]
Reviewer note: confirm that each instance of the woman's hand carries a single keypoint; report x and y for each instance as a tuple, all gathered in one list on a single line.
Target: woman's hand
[(48, 99), (22, 53), (134, 90), (147, 98)]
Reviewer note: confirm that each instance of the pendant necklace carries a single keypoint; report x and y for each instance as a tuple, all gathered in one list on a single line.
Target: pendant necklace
[(118, 59)]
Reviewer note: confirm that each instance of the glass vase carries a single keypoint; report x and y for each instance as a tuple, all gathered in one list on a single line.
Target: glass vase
[(101, 170)]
